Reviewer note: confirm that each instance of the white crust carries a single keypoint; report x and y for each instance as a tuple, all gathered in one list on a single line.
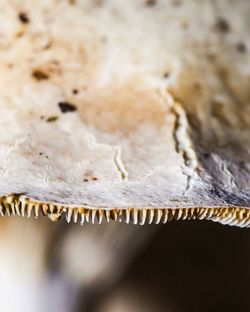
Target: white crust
[(161, 96)]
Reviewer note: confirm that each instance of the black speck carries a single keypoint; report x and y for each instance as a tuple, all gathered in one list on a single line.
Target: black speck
[(52, 119), (85, 180), (75, 91), (166, 75), (206, 155), (47, 156), (241, 47), (40, 153), (151, 3), (222, 25), (39, 75), (66, 107), (23, 17)]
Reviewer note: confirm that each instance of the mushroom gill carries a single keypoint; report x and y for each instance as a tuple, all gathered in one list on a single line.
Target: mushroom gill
[(13, 206)]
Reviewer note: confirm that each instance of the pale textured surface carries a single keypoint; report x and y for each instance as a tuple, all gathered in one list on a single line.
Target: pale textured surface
[(129, 143)]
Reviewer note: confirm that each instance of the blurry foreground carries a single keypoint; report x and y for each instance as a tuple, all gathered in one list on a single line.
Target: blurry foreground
[(182, 266)]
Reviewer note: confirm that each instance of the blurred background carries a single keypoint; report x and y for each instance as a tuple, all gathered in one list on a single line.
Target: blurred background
[(115, 267)]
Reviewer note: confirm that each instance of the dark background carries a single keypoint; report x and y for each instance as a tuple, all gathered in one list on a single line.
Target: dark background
[(187, 266)]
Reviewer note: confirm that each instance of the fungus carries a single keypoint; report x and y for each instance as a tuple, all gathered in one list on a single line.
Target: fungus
[(143, 137)]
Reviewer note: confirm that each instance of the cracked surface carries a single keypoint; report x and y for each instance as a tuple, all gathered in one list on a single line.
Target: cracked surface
[(184, 144), (156, 114)]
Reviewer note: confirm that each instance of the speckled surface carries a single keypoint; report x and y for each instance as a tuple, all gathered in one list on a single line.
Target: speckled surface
[(125, 104)]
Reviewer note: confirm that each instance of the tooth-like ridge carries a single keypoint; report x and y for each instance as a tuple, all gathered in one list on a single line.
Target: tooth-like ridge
[(142, 216), (158, 216), (1, 210), (87, 214), (36, 209), (29, 210), (175, 213), (119, 215), (170, 214), (82, 218), (246, 224), (234, 222), (51, 209), (69, 213), (180, 214), (13, 205), (107, 215), (93, 216), (17, 208), (134, 216), (100, 216), (241, 222), (44, 209), (185, 214), (75, 215), (114, 215), (165, 216), (201, 214), (126, 213), (227, 217), (150, 216), (7, 209), (13, 210)]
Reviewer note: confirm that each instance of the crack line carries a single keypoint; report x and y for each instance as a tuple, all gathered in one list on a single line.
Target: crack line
[(183, 143), (119, 164)]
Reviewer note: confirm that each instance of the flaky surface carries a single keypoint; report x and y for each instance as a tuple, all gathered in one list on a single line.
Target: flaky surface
[(125, 104)]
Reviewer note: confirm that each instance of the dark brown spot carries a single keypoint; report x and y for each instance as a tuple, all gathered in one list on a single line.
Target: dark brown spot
[(66, 107), (151, 3), (23, 17), (75, 91), (72, 2), (39, 74), (197, 86), (94, 178), (85, 180), (176, 3), (222, 25), (98, 2), (19, 34), (40, 153), (166, 75), (52, 118), (241, 47), (48, 45), (211, 57)]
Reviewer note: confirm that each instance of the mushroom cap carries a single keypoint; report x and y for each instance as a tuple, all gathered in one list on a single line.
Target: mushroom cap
[(127, 110)]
